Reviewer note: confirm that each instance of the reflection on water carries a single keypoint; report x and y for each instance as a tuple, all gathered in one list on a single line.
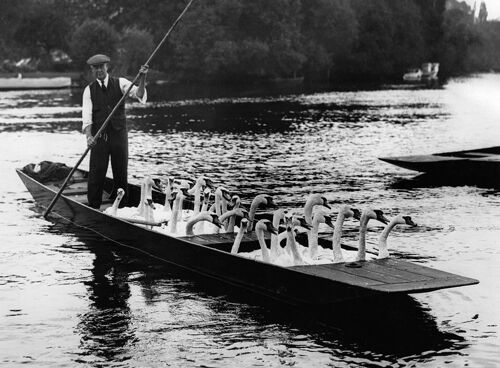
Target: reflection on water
[(74, 299)]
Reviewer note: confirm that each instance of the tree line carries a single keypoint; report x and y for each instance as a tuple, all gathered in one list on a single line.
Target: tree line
[(238, 41)]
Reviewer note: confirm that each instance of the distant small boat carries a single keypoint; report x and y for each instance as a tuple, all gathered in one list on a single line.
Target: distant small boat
[(34, 83), (427, 72), (413, 75), (483, 163)]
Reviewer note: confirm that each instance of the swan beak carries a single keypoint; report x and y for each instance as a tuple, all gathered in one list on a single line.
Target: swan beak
[(328, 221), (271, 228), (409, 221), (325, 203), (150, 203), (226, 195), (215, 220), (209, 183), (270, 202), (381, 217), (357, 213), (157, 184), (173, 196)]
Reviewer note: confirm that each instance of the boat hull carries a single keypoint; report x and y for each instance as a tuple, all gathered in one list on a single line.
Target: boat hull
[(482, 164), (210, 256), (34, 83)]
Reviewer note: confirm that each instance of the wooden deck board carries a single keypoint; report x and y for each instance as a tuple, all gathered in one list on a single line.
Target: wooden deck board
[(388, 275)]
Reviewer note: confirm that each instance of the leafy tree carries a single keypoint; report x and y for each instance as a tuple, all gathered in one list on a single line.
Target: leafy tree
[(42, 29), (134, 47), (93, 37)]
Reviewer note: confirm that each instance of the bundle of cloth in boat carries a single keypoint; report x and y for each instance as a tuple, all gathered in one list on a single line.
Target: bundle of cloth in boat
[(46, 171)]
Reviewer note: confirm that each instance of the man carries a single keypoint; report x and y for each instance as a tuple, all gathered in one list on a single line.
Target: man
[(99, 99)]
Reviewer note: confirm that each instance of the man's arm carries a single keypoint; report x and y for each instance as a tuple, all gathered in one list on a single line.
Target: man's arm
[(87, 116), (139, 91)]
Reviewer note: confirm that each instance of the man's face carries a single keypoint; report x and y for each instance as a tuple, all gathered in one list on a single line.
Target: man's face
[(99, 70)]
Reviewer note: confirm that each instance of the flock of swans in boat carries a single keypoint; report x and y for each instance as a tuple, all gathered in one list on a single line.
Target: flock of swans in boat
[(227, 215)]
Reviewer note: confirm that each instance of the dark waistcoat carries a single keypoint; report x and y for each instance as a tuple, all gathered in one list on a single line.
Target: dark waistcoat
[(104, 102)]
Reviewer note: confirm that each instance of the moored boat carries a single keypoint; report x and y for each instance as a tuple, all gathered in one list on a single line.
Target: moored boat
[(481, 164), (34, 83), (210, 254)]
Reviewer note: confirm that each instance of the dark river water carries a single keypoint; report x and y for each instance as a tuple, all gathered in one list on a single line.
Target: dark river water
[(71, 299)]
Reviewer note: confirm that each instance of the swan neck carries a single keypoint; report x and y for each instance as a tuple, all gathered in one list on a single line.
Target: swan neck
[(337, 235), (263, 246)]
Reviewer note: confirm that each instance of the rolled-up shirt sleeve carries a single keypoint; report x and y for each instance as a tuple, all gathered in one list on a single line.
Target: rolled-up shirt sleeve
[(86, 108), (125, 84)]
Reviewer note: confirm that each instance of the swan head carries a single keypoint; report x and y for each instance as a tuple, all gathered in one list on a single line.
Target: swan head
[(156, 184), (241, 214), (222, 193), (297, 220), (215, 219), (321, 217), (235, 201), (317, 199), (267, 226), (403, 220), (265, 200), (349, 211), (243, 225), (206, 194), (119, 194), (183, 183), (370, 213)]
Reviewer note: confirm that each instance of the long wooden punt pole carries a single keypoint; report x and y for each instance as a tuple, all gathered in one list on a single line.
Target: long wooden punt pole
[(99, 132)]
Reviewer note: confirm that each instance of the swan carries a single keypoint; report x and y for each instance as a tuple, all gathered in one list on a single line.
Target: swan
[(278, 217), (239, 236), (202, 216), (200, 184), (261, 199), (204, 207), (259, 231), (367, 215), (344, 212), (175, 212), (296, 221), (241, 212), (314, 200), (320, 217), (167, 208), (297, 258), (400, 219), (235, 203), (112, 210)]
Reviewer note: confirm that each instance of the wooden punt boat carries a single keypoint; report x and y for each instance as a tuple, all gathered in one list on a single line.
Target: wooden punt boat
[(34, 83), (483, 163), (209, 254)]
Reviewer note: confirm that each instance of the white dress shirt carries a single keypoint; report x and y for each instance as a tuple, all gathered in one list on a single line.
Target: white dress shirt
[(87, 101)]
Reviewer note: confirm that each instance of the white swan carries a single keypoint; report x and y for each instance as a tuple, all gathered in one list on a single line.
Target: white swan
[(172, 225), (202, 216), (367, 215), (344, 212), (239, 236), (259, 200), (235, 203), (240, 212), (314, 200), (320, 217), (278, 217), (196, 190), (167, 208), (112, 210), (383, 252), (297, 258), (259, 231)]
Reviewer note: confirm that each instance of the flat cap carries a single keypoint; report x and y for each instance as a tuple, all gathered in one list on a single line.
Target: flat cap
[(98, 59)]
